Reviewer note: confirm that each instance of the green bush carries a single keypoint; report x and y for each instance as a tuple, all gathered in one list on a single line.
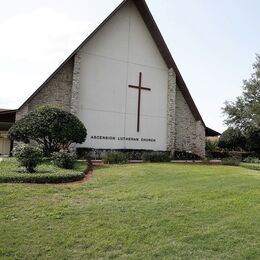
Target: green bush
[(64, 159), (51, 127), (156, 157), (115, 158), (28, 156), (231, 161), (251, 159), (183, 155)]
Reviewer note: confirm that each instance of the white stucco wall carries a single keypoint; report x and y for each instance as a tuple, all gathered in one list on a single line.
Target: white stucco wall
[(110, 62)]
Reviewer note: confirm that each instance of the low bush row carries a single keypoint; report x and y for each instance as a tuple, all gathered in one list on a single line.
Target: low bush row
[(156, 157), (114, 157), (100, 154), (41, 178), (183, 155), (231, 161), (251, 166)]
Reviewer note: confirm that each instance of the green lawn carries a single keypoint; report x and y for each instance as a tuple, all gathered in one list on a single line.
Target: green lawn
[(147, 211)]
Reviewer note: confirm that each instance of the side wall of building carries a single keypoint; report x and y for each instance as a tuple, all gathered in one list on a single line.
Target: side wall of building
[(56, 92), (190, 134)]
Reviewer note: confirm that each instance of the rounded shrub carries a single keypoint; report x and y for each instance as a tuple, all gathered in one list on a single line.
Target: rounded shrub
[(115, 158), (28, 156), (51, 127), (64, 159)]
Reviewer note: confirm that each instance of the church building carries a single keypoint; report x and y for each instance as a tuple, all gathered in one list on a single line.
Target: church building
[(124, 85)]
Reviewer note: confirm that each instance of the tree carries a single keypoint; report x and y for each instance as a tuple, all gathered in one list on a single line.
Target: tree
[(232, 139), (244, 112), (51, 127), (253, 141)]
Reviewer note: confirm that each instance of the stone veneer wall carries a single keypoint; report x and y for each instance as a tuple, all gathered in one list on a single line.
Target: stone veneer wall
[(171, 111), (55, 92), (22, 112), (74, 104), (190, 134), (200, 139)]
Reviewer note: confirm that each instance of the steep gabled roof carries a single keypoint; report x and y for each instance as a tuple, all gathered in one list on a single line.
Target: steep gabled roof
[(211, 132), (7, 115), (156, 35)]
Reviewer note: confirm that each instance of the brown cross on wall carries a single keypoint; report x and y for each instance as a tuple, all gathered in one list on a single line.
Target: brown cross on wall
[(140, 88)]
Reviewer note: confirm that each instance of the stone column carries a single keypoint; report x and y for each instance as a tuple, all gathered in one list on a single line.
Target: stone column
[(200, 139), (74, 104), (171, 110)]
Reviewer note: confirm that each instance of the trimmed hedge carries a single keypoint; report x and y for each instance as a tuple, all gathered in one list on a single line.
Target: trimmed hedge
[(231, 161), (47, 173), (251, 166), (156, 157), (42, 178), (98, 154)]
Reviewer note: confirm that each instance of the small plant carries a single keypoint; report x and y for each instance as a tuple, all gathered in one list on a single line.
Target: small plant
[(115, 158), (156, 157), (231, 161), (28, 156), (64, 159)]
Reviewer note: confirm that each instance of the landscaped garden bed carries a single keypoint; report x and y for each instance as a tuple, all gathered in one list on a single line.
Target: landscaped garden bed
[(46, 173)]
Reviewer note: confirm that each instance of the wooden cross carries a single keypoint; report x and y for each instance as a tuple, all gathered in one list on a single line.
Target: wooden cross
[(140, 88)]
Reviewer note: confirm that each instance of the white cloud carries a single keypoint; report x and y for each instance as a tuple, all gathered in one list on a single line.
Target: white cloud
[(31, 47)]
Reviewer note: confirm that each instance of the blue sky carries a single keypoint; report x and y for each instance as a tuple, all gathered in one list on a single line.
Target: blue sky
[(213, 43)]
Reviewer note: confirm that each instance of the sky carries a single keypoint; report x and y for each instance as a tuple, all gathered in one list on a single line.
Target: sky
[(212, 42)]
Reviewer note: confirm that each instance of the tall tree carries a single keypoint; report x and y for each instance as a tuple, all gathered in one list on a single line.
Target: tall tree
[(244, 112)]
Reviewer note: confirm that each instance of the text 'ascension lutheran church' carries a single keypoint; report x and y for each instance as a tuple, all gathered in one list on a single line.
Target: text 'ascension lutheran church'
[(124, 85)]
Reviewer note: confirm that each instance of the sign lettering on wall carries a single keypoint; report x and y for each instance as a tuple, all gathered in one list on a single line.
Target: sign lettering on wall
[(123, 138)]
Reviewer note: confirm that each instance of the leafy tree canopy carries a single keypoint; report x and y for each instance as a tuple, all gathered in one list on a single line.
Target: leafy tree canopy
[(244, 112), (51, 127), (232, 139)]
